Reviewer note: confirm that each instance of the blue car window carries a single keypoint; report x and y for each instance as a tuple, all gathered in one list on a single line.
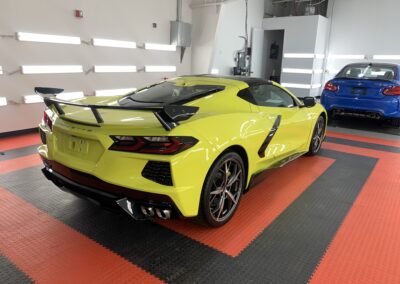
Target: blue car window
[(369, 71)]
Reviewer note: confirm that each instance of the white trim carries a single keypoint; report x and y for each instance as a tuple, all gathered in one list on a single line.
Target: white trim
[(113, 92), (113, 43), (51, 69), (22, 36), (152, 68), (157, 46), (115, 69)]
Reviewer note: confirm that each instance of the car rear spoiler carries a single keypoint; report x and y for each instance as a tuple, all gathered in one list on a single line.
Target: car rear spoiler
[(168, 115)]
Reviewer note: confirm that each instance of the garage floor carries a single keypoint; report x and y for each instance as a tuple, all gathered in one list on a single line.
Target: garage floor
[(334, 218)]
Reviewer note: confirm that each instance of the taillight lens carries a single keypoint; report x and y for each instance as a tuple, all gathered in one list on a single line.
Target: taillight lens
[(393, 91), (47, 121), (331, 87), (167, 145)]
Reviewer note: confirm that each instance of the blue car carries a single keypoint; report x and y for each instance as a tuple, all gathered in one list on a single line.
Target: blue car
[(365, 90)]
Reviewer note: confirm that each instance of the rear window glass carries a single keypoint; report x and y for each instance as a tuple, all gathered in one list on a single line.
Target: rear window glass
[(170, 93), (380, 72)]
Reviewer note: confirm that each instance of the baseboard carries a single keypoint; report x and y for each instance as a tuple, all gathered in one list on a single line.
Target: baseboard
[(19, 132)]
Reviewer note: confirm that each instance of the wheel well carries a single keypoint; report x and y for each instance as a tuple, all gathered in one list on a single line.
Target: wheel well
[(242, 153), (323, 114)]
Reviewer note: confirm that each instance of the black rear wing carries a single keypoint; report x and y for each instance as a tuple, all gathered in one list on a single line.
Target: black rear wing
[(168, 115)]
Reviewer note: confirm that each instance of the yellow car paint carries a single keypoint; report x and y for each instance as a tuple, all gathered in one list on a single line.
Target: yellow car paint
[(223, 121)]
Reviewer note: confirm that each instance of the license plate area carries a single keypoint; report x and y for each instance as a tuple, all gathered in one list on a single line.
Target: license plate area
[(359, 91), (78, 145)]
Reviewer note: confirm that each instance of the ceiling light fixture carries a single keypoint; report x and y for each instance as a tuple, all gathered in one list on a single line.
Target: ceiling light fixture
[(151, 68), (113, 92), (22, 36), (114, 68), (113, 43), (156, 46), (51, 69)]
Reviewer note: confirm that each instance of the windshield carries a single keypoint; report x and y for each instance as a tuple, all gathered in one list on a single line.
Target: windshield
[(170, 93), (370, 71)]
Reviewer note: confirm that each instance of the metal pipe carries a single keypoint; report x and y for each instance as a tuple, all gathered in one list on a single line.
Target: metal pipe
[(179, 10)]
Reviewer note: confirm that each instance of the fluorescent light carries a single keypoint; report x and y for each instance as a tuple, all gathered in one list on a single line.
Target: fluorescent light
[(302, 71), (301, 86), (149, 68), (214, 71), (70, 95), (156, 46), (31, 99), (347, 56), (51, 69), (114, 68), (1, 70), (48, 38), (3, 101), (319, 56), (297, 70), (386, 57), (298, 55), (113, 92), (113, 43)]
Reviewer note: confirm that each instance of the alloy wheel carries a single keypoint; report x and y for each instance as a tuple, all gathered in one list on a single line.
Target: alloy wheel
[(226, 189)]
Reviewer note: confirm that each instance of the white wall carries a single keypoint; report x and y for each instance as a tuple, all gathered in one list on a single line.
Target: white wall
[(118, 19), (303, 34), (205, 21), (230, 26), (364, 27)]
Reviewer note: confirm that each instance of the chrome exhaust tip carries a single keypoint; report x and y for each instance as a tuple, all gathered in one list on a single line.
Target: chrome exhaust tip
[(164, 214), (147, 211)]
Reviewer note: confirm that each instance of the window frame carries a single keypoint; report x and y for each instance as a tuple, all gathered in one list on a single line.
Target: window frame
[(246, 95)]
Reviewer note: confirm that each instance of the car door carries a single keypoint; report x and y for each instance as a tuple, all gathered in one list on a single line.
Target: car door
[(293, 131)]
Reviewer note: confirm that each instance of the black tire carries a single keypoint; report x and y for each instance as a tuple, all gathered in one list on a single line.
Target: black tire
[(219, 200), (317, 137), (331, 117), (395, 122)]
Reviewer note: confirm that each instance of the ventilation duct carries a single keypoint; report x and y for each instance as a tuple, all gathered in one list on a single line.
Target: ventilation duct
[(181, 32)]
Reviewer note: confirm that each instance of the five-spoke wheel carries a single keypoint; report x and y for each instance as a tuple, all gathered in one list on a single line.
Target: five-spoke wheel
[(223, 189), (317, 137)]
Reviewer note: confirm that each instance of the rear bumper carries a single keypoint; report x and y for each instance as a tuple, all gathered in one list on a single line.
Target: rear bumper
[(386, 108), (93, 189)]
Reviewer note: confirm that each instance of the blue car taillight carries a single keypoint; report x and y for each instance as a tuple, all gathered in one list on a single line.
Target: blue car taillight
[(392, 91), (331, 87)]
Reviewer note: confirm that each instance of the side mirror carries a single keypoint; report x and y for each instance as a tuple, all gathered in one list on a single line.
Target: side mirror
[(309, 101)]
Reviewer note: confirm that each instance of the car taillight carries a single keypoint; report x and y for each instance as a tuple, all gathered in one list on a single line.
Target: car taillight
[(167, 145), (331, 87), (47, 121), (392, 91)]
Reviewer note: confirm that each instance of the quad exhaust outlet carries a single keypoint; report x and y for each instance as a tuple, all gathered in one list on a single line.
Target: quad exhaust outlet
[(143, 212)]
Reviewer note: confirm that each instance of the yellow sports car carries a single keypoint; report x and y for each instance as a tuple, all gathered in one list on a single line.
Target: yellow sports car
[(185, 147)]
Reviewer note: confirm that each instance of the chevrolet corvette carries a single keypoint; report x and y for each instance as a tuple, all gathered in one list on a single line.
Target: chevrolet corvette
[(185, 147)]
